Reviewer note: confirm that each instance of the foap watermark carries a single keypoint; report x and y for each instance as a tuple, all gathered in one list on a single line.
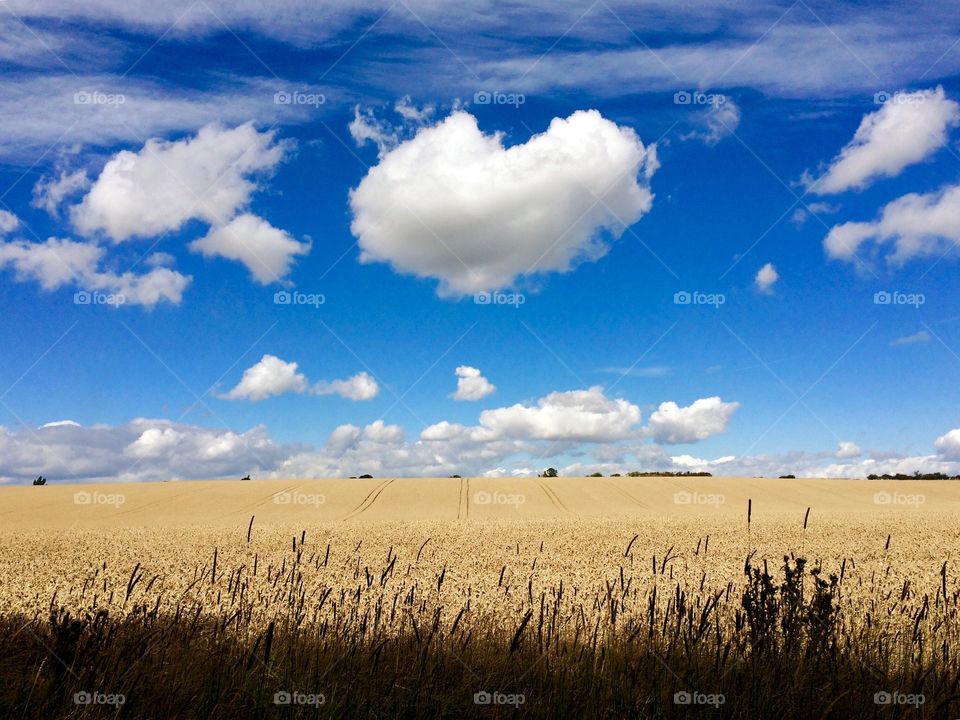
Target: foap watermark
[(686, 697), (694, 498), (283, 697), (898, 498), (696, 97), (498, 698), (881, 97), (98, 698), (498, 498), (895, 697), (685, 297), (95, 297), (98, 498), (285, 297), (298, 97), (486, 97), (895, 297), (299, 498), (95, 97), (499, 298)]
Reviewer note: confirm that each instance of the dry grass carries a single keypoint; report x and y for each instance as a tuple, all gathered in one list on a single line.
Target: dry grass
[(581, 616)]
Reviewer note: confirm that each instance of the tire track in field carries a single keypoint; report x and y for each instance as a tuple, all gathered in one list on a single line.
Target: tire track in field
[(625, 494), (460, 508), (553, 497), (259, 503), (368, 501)]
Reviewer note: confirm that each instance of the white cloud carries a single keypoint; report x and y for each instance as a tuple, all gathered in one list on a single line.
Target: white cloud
[(59, 262), (273, 376), (361, 386), (916, 225), (270, 376), (672, 424), (50, 192), (847, 449), (586, 415), (61, 423), (694, 463), (456, 205), (141, 449), (720, 120), (906, 130), (167, 183), (268, 252), (154, 442), (471, 385), (8, 222), (948, 445), (921, 336), (765, 278)]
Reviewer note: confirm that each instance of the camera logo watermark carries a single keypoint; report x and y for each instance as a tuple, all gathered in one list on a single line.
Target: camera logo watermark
[(684, 297), (498, 498), (283, 697), (299, 498), (881, 97), (485, 97), (499, 298), (285, 297), (94, 297), (695, 97), (95, 97), (498, 698), (694, 498), (684, 697), (898, 498), (297, 97), (898, 698), (895, 297), (98, 498), (98, 698)]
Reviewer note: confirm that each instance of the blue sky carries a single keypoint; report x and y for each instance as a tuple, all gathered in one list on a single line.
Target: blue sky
[(167, 171)]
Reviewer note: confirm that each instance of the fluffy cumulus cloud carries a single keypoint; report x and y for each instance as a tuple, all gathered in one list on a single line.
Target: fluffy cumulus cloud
[(267, 251), (765, 279), (141, 449), (50, 192), (361, 386), (455, 204), (912, 226), (59, 262), (471, 384), (573, 415), (848, 449), (165, 184), (8, 222), (948, 445), (272, 376), (672, 424), (906, 130)]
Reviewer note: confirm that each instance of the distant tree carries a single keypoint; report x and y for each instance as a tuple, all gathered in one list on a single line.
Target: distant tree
[(40, 481), (366, 477), (873, 477), (549, 472), (454, 476), (245, 477), (788, 477), (614, 474), (597, 474)]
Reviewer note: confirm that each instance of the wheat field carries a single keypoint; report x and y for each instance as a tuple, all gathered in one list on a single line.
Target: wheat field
[(543, 597)]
